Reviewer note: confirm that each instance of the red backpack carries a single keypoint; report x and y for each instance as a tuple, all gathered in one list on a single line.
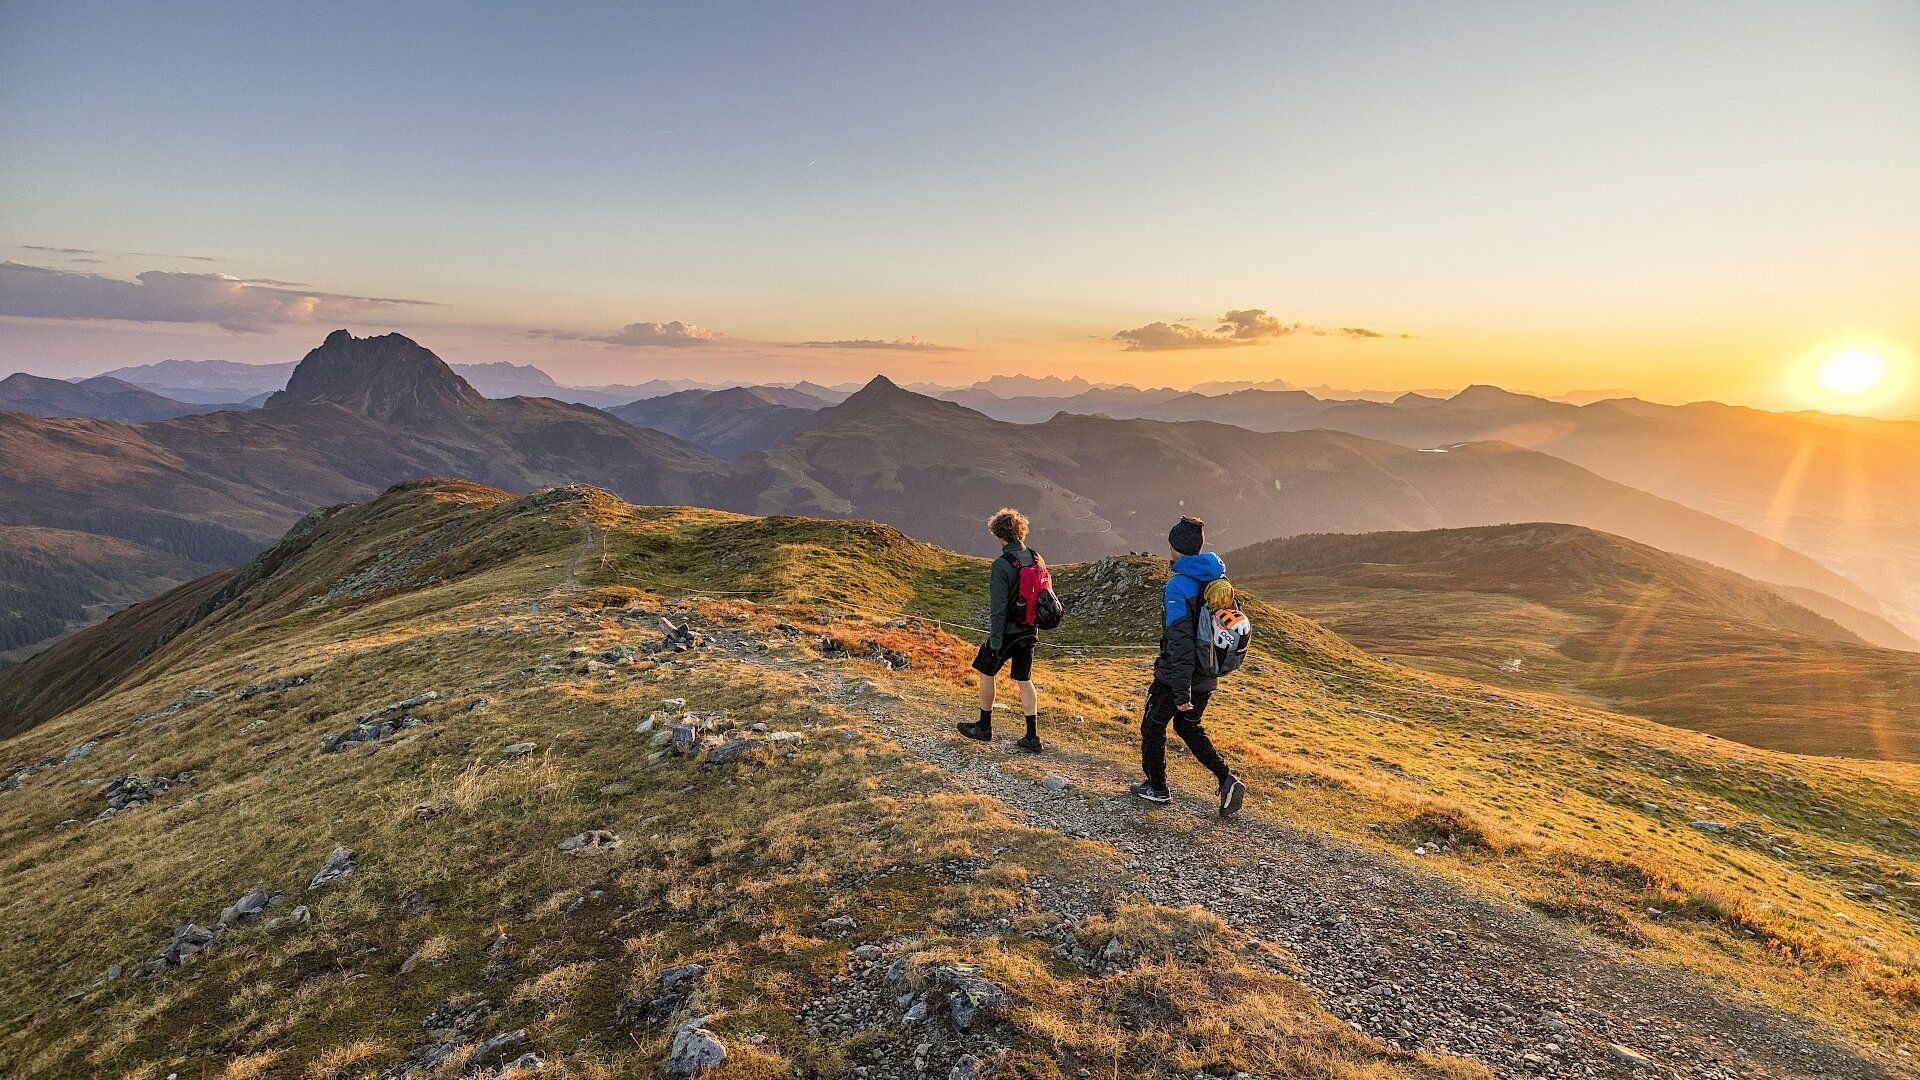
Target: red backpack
[(1033, 602)]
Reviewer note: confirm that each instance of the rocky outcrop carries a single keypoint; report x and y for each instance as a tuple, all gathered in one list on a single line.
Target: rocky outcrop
[(390, 378)]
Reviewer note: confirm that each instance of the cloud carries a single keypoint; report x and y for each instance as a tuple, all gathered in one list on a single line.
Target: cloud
[(168, 296), (675, 334), (1254, 324), (116, 254), (898, 344), (1161, 336), (1243, 326)]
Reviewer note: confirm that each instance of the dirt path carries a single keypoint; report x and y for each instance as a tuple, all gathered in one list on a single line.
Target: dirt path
[(1405, 957)]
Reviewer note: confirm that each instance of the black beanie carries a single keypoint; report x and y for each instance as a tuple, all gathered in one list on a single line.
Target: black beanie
[(1189, 536)]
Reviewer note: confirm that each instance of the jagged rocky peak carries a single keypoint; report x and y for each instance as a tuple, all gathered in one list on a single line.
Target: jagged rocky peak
[(389, 378)]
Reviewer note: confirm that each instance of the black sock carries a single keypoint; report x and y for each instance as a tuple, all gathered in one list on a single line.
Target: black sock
[(986, 719), (1033, 726)]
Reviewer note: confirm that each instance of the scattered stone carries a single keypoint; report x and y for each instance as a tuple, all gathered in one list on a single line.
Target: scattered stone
[(678, 638), (427, 811), (129, 790), (247, 908), (694, 1049), (591, 842), (968, 993), (839, 924), (1710, 826), (665, 995), (1056, 784), (1629, 1056), (78, 752), (973, 1067), (256, 690), (299, 916), (378, 724), (188, 941), (340, 864), (728, 751), (519, 749)]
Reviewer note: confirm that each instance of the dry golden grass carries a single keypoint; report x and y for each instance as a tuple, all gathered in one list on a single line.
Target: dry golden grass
[(736, 868), (733, 869)]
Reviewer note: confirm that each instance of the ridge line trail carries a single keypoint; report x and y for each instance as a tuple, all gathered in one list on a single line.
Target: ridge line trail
[(1403, 955)]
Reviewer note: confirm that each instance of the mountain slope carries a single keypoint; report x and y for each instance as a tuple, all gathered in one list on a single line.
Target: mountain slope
[(827, 851), (726, 423), (358, 415), (54, 580), (1096, 486), (1632, 628), (99, 397), (1841, 489)]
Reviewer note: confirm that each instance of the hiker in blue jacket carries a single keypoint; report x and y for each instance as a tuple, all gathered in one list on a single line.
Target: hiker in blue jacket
[(1181, 689)]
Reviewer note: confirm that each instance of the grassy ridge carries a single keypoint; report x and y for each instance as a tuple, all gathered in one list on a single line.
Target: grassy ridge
[(456, 589)]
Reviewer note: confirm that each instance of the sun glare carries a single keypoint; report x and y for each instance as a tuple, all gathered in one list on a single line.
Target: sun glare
[(1853, 372)]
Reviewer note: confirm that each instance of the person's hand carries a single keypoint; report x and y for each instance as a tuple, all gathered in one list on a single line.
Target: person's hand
[(1184, 707)]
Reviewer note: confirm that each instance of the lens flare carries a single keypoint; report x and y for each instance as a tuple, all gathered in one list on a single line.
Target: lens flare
[(1853, 372)]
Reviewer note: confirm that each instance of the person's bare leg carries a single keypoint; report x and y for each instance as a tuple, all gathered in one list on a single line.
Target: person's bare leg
[(1030, 705), (986, 692)]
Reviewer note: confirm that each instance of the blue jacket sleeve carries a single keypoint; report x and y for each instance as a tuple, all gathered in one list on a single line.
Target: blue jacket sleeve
[(1179, 632)]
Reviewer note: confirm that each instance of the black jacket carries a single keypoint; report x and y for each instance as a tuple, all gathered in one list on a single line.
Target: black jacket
[(1177, 666), (1003, 582)]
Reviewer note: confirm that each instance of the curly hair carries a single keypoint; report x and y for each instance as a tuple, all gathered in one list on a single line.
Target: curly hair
[(1009, 525)]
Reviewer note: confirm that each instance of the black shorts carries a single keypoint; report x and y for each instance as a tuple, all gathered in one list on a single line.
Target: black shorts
[(1019, 650)]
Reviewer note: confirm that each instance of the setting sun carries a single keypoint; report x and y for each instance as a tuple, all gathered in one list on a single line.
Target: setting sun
[(1855, 371)]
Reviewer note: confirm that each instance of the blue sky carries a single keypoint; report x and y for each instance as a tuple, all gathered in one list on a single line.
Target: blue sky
[(1681, 197)]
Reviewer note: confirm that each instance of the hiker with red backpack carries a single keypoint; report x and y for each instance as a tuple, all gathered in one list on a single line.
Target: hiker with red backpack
[(1022, 603), (1203, 636)]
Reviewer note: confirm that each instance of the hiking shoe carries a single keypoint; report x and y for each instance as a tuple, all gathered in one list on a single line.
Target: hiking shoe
[(975, 730), (1232, 794), (1030, 743), (1150, 793)]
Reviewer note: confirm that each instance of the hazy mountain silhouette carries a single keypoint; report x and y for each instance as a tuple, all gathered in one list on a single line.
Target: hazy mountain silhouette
[(100, 397), (1096, 485), (359, 414), (726, 422), (1842, 489)]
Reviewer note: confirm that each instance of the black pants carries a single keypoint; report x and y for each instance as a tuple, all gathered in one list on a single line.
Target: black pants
[(1187, 725)]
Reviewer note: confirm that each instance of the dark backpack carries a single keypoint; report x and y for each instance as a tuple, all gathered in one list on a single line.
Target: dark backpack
[(1033, 603)]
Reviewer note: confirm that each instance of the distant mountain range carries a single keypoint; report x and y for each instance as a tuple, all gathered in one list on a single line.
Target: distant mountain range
[(1578, 612), (359, 414), (101, 396)]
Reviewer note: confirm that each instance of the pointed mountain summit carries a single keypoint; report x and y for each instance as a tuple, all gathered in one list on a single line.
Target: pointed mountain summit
[(390, 378), (883, 395)]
